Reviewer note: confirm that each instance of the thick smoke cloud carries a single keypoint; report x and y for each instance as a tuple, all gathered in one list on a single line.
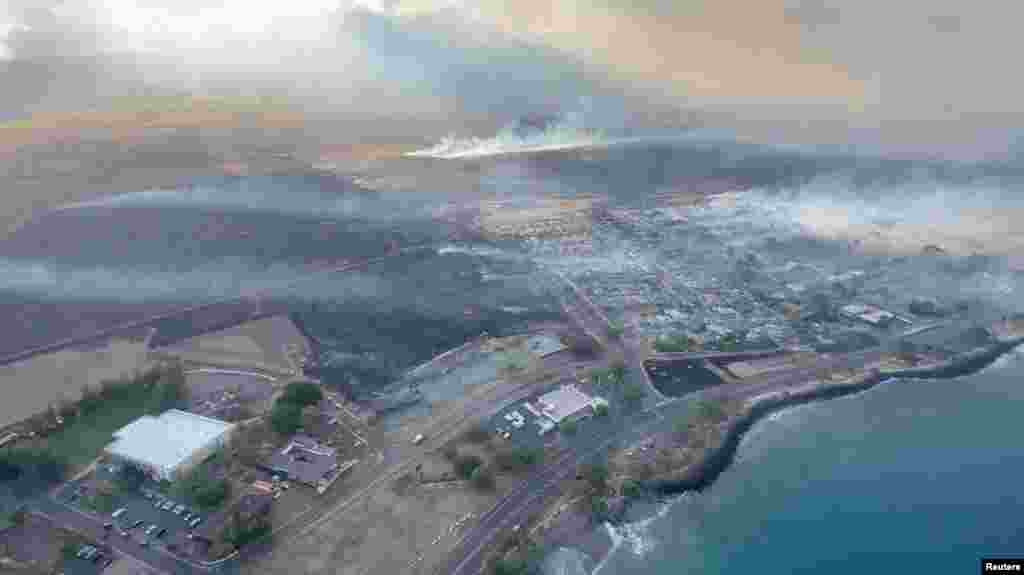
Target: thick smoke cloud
[(933, 75)]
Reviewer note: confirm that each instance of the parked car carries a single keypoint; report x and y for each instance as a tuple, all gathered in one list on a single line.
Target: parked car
[(119, 512), (285, 485), (187, 517), (107, 562), (160, 532), (137, 523), (97, 557), (108, 525), (195, 521), (124, 533), (179, 509), (149, 530), (148, 494), (167, 506), (144, 542)]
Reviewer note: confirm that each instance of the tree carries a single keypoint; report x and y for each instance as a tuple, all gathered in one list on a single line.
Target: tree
[(285, 417), (601, 410), (465, 465), (599, 507), (633, 393), (710, 410), (631, 488), (302, 393), (681, 425), (568, 427), (597, 476), (616, 329)]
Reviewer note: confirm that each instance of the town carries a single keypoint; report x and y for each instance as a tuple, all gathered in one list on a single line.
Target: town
[(217, 448)]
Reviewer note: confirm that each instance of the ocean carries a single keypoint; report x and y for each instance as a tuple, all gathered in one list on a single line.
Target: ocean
[(912, 476)]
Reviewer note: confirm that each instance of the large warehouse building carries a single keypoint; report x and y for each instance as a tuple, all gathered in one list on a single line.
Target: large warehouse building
[(167, 446)]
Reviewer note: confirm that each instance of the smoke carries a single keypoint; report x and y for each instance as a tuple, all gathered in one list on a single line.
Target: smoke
[(925, 75), (215, 280)]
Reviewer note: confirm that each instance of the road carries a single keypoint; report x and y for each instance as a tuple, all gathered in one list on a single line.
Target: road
[(517, 506)]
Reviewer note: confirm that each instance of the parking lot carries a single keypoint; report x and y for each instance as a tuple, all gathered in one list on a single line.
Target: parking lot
[(139, 508), (527, 434)]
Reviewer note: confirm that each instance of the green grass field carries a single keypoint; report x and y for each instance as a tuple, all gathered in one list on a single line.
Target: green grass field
[(84, 437)]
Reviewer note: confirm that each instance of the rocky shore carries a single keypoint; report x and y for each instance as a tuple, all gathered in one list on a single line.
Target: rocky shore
[(703, 473), (576, 530)]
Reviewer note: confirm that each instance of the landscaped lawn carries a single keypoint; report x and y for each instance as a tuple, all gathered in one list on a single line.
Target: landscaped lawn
[(85, 436)]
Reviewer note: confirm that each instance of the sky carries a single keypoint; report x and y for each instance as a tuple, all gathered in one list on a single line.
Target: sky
[(926, 74)]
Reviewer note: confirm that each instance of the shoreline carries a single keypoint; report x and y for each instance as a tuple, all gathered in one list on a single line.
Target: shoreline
[(702, 474), (599, 541)]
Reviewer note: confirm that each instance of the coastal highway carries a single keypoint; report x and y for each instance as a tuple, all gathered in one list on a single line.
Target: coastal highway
[(528, 497)]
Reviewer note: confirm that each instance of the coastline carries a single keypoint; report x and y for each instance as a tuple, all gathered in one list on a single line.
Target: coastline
[(599, 540), (703, 473)]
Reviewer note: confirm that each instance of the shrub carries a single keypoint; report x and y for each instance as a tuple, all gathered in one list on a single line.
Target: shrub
[(240, 536), (672, 344), (302, 393), (482, 478), (600, 410), (599, 507), (568, 427), (210, 494), (465, 465), (511, 566)]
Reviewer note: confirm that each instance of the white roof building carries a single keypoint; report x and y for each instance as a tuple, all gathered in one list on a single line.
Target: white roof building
[(565, 401), (169, 443)]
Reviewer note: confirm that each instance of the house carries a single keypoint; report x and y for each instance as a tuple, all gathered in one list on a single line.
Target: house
[(169, 445), (304, 460)]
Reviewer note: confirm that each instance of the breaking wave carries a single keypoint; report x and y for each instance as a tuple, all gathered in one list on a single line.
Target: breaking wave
[(636, 537)]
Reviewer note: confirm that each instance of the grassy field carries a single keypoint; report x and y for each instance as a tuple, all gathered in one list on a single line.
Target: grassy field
[(111, 407), (84, 438)]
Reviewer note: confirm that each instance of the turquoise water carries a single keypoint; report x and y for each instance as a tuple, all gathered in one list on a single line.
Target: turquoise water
[(918, 476)]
